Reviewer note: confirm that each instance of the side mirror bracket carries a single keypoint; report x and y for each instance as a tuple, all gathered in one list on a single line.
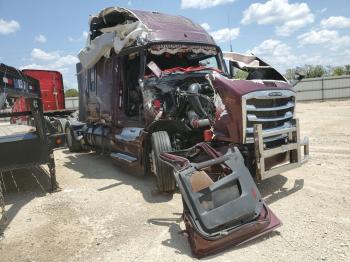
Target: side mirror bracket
[(299, 75), (232, 71)]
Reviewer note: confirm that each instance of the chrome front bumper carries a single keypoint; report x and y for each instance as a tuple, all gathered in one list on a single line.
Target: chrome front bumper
[(292, 150)]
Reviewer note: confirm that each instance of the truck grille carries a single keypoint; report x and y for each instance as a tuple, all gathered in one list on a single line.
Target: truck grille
[(273, 109)]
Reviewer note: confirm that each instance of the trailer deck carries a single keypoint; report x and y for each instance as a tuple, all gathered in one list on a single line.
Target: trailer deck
[(23, 146), (15, 130)]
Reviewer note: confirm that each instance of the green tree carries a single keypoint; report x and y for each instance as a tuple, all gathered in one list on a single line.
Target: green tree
[(290, 74), (240, 74), (338, 71), (315, 71), (347, 69), (71, 93)]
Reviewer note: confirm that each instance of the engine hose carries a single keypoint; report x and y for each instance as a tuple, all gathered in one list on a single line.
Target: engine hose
[(194, 100), (195, 121)]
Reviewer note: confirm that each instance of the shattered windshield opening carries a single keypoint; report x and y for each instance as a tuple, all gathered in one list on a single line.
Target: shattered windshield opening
[(182, 59), (251, 67)]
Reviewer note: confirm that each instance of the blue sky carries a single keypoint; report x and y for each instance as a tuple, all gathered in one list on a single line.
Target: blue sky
[(49, 34)]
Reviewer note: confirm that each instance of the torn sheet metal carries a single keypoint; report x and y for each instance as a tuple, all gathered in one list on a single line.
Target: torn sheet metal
[(98, 48), (243, 60), (117, 28), (255, 66), (172, 28), (116, 37), (130, 37)]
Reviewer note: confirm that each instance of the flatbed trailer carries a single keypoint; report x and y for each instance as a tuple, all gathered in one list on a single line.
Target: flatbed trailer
[(23, 146)]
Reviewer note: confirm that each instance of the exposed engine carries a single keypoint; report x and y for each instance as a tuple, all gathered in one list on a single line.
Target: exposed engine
[(185, 98)]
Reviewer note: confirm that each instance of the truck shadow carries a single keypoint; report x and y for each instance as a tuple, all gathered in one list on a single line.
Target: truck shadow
[(273, 189), (95, 166), (178, 237), (20, 187)]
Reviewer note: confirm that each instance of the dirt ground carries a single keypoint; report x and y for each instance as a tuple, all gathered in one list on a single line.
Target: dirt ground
[(105, 213)]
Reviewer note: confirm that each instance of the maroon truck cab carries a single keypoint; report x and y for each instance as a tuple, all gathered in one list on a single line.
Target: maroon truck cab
[(151, 82)]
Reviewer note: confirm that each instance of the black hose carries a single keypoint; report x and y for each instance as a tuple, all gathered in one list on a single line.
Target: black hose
[(194, 100)]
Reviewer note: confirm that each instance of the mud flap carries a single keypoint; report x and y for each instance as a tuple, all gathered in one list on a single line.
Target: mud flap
[(222, 205)]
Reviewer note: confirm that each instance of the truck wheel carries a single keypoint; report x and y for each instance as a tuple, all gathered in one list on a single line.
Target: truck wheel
[(49, 125), (58, 125), (73, 145), (164, 173)]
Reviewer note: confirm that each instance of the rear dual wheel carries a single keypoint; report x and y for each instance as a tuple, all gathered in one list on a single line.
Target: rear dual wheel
[(164, 173), (72, 143)]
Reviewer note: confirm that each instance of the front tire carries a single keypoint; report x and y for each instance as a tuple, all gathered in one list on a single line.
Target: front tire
[(164, 173)]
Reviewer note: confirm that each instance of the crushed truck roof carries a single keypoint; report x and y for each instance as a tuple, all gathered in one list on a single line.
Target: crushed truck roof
[(164, 27), (118, 28)]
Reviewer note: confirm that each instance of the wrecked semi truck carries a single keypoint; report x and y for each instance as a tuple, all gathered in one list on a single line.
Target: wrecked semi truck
[(152, 83)]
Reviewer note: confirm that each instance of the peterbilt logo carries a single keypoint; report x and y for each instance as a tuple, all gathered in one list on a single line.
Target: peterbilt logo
[(275, 94)]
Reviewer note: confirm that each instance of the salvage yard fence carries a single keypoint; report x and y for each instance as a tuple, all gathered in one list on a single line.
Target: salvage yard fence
[(72, 102), (323, 88)]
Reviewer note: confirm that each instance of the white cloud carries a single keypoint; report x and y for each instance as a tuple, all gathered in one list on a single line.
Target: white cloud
[(336, 22), (291, 26), (65, 61), (53, 59), (34, 66), (322, 10), (202, 4), (62, 63), (72, 39), (44, 56), (281, 56), (330, 38), (40, 38), (225, 34), (206, 26), (276, 53), (83, 36), (8, 27), (318, 58), (288, 18), (129, 3)]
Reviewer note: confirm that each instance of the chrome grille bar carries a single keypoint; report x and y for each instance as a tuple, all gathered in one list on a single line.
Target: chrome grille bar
[(254, 118), (274, 109), (253, 108)]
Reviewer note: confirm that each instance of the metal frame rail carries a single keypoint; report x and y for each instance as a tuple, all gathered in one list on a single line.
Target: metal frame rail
[(293, 148)]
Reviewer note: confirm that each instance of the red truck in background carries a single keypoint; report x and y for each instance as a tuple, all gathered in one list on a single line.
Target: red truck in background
[(52, 91), (53, 100)]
